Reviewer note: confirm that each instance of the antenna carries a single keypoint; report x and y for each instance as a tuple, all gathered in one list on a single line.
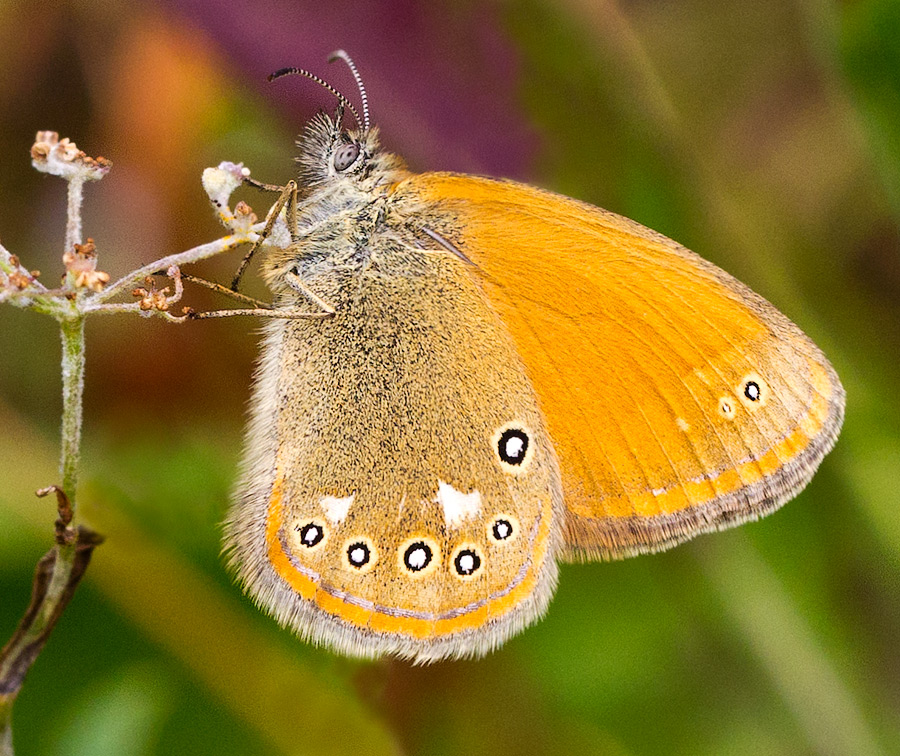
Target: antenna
[(340, 54), (302, 72)]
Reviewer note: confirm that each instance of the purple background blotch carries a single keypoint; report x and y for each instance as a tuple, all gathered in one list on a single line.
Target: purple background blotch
[(442, 85)]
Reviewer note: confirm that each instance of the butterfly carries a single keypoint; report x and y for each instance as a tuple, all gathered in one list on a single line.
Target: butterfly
[(481, 379)]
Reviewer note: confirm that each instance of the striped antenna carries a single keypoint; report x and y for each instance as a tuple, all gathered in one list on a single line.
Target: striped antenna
[(340, 54), (302, 72)]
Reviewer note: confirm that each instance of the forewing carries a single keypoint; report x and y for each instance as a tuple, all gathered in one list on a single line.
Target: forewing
[(677, 399)]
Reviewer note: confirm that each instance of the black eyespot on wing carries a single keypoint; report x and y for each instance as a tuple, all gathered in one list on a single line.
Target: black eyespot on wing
[(417, 556), (311, 534), (752, 391), (501, 529), (359, 554), (512, 447), (467, 562), (345, 156)]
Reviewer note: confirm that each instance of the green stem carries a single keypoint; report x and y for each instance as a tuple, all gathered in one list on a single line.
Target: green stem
[(73, 391), (59, 572)]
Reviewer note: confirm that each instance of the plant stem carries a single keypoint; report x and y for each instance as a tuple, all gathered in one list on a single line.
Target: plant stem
[(72, 332), (73, 224), (60, 570)]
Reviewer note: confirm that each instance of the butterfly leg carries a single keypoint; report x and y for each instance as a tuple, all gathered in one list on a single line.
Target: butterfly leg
[(258, 312), (291, 278), (262, 186), (259, 308), (219, 288), (296, 283), (263, 310), (288, 196)]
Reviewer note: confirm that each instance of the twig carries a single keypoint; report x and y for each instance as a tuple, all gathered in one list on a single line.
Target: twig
[(55, 579), (60, 570), (84, 291), (210, 249)]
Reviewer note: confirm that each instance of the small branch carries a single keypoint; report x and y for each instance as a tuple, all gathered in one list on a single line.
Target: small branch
[(48, 600), (210, 249), (73, 224), (82, 292), (15, 279), (60, 570)]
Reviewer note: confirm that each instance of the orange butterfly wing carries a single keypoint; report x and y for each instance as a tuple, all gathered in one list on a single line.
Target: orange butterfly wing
[(678, 400)]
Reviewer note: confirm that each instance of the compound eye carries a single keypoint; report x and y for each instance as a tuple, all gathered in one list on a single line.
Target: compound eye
[(345, 156)]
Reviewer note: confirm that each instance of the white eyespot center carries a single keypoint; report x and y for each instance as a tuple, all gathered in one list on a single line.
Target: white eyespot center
[(360, 554), (311, 534), (417, 558), (467, 561), (753, 392), (458, 506), (514, 446), (336, 508)]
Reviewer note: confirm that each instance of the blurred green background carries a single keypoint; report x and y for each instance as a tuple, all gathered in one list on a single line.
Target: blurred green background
[(764, 135)]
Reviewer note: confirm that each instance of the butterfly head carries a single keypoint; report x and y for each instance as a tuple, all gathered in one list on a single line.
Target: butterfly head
[(332, 154)]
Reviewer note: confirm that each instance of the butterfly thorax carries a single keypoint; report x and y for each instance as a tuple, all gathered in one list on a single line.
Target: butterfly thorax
[(345, 213)]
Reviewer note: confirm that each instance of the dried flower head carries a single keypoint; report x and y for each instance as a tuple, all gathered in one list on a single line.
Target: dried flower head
[(244, 217), (18, 277), (152, 298), (61, 157), (81, 264)]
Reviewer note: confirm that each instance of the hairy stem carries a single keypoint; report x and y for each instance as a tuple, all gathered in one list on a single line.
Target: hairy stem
[(60, 570), (73, 224), (72, 390)]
